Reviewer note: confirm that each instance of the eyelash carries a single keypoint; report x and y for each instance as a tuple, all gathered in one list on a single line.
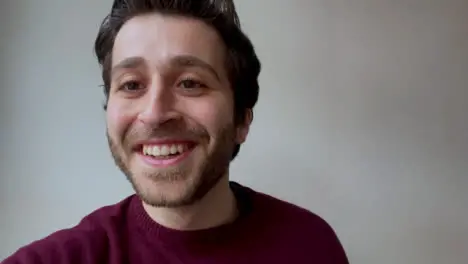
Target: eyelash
[(192, 82), (123, 86)]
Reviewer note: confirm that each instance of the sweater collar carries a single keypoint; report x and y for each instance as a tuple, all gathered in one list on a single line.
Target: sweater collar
[(156, 232)]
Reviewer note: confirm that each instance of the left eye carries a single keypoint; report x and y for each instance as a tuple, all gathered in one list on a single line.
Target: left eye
[(191, 84)]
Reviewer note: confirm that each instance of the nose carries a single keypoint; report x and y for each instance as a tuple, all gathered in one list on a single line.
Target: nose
[(158, 105)]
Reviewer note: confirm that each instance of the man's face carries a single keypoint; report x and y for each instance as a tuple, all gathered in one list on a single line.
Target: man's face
[(170, 113)]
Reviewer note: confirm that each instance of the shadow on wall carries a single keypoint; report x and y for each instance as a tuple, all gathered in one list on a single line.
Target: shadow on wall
[(5, 30), (8, 35), (11, 32)]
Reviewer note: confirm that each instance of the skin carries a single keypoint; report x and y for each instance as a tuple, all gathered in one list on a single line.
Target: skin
[(169, 81)]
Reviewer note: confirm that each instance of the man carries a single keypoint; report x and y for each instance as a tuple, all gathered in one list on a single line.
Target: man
[(180, 80)]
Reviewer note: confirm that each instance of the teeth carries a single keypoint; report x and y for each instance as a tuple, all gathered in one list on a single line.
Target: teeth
[(173, 149), (164, 150), (156, 151), (180, 148)]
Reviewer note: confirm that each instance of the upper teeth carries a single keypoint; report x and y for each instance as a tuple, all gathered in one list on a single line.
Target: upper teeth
[(163, 150)]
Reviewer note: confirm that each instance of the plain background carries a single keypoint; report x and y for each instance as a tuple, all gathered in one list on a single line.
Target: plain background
[(362, 119)]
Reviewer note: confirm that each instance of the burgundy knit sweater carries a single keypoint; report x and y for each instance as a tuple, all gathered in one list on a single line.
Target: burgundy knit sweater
[(267, 231)]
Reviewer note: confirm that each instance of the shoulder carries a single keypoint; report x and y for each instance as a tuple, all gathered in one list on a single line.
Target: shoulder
[(306, 230), (282, 211), (86, 242)]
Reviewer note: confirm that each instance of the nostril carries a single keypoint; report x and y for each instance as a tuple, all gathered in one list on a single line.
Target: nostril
[(157, 118)]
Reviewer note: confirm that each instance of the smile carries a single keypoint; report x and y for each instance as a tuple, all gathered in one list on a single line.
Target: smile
[(165, 154), (164, 150)]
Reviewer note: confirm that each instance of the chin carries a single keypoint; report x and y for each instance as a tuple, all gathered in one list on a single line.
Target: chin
[(166, 190)]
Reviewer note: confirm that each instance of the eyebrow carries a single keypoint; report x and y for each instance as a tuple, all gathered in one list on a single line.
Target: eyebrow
[(128, 63), (192, 61), (183, 61)]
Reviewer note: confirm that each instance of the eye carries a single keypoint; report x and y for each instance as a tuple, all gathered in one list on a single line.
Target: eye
[(189, 83), (131, 86)]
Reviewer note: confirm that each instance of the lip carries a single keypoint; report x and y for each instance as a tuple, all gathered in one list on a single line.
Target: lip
[(159, 163)]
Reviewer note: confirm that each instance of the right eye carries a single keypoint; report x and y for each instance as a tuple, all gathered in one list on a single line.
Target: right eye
[(131, 86)]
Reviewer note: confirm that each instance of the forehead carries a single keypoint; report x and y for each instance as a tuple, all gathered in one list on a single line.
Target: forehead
[(157, 38)]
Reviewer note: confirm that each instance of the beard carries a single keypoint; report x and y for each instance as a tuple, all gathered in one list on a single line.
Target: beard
[(180, 185)]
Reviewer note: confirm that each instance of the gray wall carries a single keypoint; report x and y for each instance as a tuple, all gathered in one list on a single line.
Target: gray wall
[(361, 119)]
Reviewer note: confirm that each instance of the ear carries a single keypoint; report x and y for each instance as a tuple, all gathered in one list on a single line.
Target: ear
[(243, 128)]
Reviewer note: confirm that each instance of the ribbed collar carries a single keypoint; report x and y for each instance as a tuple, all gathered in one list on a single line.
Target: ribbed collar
[(156, 232)]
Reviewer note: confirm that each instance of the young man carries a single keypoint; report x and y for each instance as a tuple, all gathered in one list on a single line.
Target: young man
[(180, 79)]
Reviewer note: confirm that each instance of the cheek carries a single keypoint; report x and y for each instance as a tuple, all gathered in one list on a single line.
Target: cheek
[(118, 120), (213, 114)]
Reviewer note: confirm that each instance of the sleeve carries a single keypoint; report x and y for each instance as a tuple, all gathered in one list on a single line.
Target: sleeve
[(63, 247), (25, 255), (334, 248)]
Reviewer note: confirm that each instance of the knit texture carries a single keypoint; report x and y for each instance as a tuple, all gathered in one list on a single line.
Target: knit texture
[(267, 230)]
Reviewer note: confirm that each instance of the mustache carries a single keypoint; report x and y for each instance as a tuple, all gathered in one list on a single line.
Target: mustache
[(170, 130)]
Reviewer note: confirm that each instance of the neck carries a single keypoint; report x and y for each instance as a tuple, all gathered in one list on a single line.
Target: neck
[(216, 208)]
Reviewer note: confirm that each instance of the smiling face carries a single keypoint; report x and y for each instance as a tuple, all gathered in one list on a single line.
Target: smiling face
[(170, 111)]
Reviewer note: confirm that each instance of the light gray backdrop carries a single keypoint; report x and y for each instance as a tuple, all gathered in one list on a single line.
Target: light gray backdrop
[(362, 119)]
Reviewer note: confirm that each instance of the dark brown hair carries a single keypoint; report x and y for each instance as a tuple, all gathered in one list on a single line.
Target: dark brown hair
[(242, 63)]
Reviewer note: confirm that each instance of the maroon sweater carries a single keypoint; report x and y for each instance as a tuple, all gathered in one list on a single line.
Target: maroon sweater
[(267, 231)]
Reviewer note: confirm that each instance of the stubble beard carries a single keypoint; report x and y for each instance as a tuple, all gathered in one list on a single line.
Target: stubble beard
[(198, 179)]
